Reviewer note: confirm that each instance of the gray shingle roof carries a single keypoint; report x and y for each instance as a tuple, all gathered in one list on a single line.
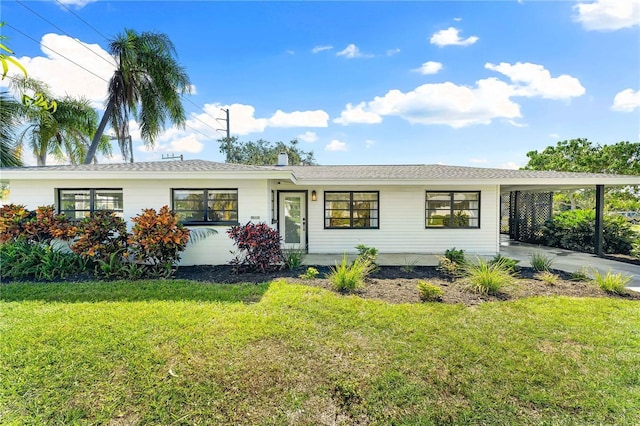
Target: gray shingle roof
[(427, 172), (340, 173)]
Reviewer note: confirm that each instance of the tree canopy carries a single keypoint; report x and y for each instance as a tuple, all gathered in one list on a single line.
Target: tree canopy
[(581, 155), (263, 153)]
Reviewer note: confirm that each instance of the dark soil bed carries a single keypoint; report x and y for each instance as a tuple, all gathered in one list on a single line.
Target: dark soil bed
[(396, 285)]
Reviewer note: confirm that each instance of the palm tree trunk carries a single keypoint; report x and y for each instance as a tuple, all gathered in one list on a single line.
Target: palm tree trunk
[(91, 152)]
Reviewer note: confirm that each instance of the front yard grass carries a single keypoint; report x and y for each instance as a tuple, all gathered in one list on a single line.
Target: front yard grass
[(180, 352)]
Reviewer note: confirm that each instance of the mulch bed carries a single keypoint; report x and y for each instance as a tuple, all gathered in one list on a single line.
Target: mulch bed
[(393, 284)]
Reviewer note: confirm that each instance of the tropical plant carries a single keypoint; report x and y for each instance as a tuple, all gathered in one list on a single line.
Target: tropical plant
[(156, 241), (100, 235), (10, 113), (487, 278), (347, 277), (574, 230), (63, 132), (512, 264), (429, 292), (455, 255), (294, 257), (258, 245), (369, 254), (27, 259), (540, 262), (611, 283), (146, 86)]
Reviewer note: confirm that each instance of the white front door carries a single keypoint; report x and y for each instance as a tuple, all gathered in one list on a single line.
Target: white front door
[(293, 219)]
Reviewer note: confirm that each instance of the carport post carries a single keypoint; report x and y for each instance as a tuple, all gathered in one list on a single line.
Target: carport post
[(598, 238)]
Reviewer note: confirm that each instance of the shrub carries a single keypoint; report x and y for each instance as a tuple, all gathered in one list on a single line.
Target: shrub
[(310, 274), (429, 292), (454, 255), (511, 264), (294, 258), (611, 283), (369, 254), (547, 277), (449, 268), (156, 241), (487, 278), (350, 277), (259, 247), (23, 259), (541, 262), (43, 224), (575, 229)]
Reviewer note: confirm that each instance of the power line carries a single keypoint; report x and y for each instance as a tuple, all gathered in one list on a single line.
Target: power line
[(63, 31), (57, 53), (86, 23)]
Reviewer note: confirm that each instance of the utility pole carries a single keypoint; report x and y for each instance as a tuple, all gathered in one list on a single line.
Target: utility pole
[(226, 120)]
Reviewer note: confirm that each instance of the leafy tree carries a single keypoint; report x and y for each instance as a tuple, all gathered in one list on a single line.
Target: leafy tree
[(146, 85), (63, 132), (581, 155), (262, 152)]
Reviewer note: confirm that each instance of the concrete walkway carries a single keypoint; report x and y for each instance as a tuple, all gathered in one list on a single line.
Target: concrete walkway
[(564, 260)]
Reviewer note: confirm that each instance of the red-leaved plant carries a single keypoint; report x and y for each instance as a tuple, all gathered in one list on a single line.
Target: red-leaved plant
[(156, 241), (41, 225), (258, 246)]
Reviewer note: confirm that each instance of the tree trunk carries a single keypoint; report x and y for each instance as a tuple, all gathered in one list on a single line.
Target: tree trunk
[(91, 152)]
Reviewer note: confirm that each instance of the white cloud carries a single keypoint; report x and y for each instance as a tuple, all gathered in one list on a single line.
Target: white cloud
[(510, 166), (336, 145), (429, 67), (186, 144), (392, 52), (478, 161), (78, 3), (65, 77), (626, 101), (369, 143), (352, 51), (308, 136), (316, 118), (608, 15), (451, 37), (192, 89), (457, 19), (516, 124), (458, 105), (535, 80), (357, 114), (554, 135), (318, 49)]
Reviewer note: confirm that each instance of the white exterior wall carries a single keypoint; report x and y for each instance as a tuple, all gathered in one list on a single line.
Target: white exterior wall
[(402, 223), (254, 202)]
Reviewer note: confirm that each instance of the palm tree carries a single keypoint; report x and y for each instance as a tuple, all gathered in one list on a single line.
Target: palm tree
[(10, 112), (146, 84), (64, 132)]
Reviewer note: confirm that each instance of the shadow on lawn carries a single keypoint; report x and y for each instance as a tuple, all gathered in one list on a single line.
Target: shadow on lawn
[(132, 291)]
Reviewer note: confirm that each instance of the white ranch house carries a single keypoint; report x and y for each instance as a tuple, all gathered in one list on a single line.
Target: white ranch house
[(418, 209)]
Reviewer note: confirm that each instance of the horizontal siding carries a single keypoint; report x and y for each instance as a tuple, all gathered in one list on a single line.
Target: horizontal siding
[(402, 216), (253, 205), (402, 225)]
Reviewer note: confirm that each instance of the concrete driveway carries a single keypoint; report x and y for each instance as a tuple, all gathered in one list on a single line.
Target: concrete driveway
[(571, 261)]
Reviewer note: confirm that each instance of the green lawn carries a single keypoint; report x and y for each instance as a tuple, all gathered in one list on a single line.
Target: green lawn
[(177, 352)]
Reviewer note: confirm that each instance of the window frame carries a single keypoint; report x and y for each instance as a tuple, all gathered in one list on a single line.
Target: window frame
[(92, 202), (205, 194), (452, 210), (351, 210)]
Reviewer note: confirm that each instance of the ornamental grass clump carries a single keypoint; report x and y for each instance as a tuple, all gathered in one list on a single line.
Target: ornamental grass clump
[(347, 277), (486, 277), (611, 283), (540, 262)]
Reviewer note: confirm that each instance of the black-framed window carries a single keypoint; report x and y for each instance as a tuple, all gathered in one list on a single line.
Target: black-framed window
[(351, 210), (205, 206), (453, 209), (77, 204)]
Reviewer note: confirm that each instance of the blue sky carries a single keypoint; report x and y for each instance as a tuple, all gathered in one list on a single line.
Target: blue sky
[(453, 82)]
